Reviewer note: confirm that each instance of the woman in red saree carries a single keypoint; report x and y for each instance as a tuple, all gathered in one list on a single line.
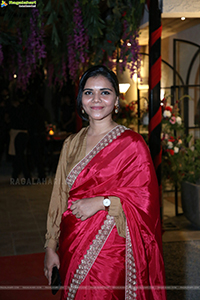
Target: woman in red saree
[(104, 209)]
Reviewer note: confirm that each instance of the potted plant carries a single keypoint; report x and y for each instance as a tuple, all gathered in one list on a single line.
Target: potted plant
[(174, 142), (190, 185), (181, 162)]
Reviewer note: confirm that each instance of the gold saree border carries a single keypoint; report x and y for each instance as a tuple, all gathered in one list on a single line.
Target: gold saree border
[(93, 252), (130, 283), (105, 141), (103, 233), (90, 256)]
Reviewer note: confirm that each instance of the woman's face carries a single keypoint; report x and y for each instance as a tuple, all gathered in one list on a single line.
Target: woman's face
[(99, 98)]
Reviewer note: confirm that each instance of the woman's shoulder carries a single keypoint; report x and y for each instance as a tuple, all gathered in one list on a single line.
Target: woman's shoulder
[(76, 137)]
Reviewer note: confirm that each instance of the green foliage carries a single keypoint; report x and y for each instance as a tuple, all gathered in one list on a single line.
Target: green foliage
[(190, 165), (92, 21), (180, 157), (173, 162), (102, 19)]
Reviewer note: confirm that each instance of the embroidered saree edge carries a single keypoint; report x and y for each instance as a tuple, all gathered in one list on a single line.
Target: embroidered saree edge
[(130, 280), (103, 233), (90, 257), (105, 141)]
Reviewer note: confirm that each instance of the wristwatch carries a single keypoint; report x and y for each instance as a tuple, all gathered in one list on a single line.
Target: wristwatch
[(106, 203)]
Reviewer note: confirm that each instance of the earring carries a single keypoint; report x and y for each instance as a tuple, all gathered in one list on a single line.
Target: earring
[(82, 110), (117, 108)]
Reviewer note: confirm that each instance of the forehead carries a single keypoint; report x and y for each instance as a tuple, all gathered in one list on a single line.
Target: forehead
[(98, 81)]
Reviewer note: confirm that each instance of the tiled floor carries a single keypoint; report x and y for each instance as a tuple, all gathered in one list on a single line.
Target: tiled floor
[(23, 211), (177, 228)]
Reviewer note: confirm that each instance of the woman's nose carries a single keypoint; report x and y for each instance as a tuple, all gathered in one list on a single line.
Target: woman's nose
[(97, 97)]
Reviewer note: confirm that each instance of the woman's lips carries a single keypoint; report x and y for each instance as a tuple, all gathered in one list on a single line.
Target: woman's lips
[(97, 107)]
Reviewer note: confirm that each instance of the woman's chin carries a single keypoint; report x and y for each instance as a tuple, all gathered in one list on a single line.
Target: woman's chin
[(99, 116)]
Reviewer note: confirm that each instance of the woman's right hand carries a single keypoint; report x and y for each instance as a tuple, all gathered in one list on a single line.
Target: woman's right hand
[(51, 259)]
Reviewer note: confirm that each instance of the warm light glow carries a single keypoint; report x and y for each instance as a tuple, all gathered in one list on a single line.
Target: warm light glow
[(162, 94), (15, 75), (51, 132), (128, 44), (123, 87), (182, 18), (143, 87), (135, 77)]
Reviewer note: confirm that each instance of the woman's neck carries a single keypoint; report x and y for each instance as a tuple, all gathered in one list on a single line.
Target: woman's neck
[(99, 127)]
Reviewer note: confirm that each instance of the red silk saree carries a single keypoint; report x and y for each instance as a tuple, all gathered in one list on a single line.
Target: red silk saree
[(96, 263)]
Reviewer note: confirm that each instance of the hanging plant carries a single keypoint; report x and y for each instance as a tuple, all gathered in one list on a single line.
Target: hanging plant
[(26, 48), (69, 36)]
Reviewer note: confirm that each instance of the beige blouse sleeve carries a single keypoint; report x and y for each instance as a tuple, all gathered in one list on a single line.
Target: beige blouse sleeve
[(70, 155), (58, 201), (116, 211)]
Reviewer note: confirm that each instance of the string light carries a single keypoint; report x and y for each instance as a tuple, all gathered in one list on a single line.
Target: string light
[(51, 132)]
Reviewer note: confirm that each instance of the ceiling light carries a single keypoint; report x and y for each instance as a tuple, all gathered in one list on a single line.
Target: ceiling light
[(123, 87)]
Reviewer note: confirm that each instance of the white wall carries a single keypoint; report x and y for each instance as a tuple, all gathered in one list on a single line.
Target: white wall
[(186, 7), (185, 53), (192, 34)]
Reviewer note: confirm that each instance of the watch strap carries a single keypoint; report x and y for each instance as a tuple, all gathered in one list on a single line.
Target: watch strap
[(106, 207)]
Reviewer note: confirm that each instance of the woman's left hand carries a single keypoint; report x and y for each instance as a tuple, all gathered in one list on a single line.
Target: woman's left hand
[(85, 208)]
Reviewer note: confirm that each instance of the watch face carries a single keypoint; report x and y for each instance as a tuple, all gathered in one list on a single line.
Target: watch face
[(106, 202)]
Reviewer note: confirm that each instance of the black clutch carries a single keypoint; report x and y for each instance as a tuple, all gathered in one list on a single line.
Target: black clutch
[(55, 280)]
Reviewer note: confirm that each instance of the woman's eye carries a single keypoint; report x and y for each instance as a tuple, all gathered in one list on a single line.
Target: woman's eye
[(88, 93), (105, 93)]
